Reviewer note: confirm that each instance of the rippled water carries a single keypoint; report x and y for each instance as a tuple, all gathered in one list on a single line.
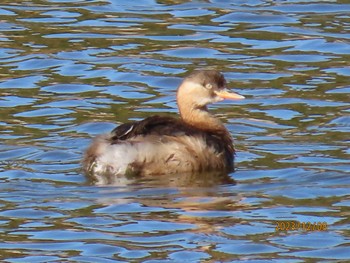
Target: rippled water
[(72, 69)]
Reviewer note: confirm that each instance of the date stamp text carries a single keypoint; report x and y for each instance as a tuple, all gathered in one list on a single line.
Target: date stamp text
[(290, 225)]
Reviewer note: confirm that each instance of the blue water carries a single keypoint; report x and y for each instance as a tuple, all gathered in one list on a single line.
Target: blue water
[(70, 70)]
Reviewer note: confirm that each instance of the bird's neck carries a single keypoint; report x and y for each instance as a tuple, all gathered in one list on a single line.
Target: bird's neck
[(200, 118)]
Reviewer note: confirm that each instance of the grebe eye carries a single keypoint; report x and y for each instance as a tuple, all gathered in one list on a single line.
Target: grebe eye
[(208, 86)]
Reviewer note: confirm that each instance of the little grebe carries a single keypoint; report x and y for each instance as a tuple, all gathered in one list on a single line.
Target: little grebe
[(159, 145)]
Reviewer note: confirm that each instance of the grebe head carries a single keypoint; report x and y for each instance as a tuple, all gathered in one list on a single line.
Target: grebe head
[(202, 88)]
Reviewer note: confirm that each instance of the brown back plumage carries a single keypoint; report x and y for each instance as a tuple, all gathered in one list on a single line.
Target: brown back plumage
[(169, 126)]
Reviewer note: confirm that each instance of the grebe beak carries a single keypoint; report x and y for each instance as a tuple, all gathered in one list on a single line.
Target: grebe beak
[(226, 94)]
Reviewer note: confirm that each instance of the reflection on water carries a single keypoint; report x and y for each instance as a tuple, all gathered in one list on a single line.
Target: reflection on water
[(72, 69)]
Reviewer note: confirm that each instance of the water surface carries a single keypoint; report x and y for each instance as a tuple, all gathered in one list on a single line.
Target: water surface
[(72, 69)]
